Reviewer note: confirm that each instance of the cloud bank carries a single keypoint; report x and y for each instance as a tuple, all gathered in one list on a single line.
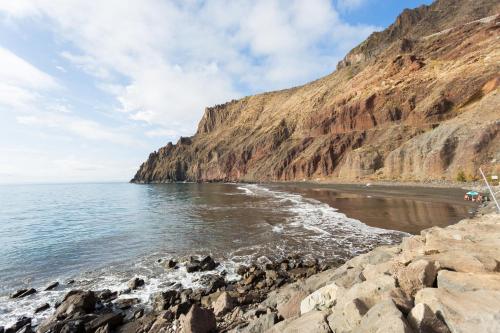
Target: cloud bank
[(159, 63)]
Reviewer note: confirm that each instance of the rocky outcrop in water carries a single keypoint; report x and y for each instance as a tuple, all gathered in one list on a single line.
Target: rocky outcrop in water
[(417, 101)]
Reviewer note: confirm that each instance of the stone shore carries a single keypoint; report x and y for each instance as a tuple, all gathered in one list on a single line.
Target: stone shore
[(443, 280)]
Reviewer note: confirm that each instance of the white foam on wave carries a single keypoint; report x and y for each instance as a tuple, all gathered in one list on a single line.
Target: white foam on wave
[(326, 221), (156, 279), (278, 228)]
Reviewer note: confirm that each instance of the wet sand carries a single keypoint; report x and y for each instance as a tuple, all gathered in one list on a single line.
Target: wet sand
[(405, 208)]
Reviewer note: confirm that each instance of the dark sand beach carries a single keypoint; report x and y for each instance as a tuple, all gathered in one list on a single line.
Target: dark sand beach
[(398, 207)]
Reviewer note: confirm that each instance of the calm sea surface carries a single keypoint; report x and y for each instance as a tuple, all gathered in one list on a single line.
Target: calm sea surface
[(101, 235)]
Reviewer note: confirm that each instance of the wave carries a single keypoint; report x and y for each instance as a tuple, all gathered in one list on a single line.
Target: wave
[(325, 221)]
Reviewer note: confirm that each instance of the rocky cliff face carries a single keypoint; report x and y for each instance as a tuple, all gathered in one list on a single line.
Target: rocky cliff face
[(417, 101)]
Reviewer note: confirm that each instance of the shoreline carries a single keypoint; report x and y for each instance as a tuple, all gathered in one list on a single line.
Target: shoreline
[(249, 309)]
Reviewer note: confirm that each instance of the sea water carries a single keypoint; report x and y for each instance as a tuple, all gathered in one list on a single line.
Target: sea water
[(101, 235)]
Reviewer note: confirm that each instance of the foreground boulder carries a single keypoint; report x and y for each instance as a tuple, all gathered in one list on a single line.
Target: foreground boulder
[(384, 317), (470, 311), (313, 321), (291, 308), (417, 275), (321, 299), (224, 304), (198, 320)]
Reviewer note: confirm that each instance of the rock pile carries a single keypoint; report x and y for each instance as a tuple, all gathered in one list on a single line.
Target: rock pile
[(220, 305), (444, 280)]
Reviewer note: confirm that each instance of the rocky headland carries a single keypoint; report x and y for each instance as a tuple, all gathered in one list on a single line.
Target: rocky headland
[(443, 280), (415, 102)]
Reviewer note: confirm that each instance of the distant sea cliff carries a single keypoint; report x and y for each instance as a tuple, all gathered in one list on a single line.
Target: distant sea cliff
[(417, 101)]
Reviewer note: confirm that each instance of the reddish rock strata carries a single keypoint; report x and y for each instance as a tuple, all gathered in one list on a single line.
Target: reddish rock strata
[(416, 101)]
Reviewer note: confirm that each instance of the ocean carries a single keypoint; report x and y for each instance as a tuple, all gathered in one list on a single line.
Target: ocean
[(101, 235)]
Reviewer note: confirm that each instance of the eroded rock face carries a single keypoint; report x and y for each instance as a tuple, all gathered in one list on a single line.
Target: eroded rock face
[(402, 105)]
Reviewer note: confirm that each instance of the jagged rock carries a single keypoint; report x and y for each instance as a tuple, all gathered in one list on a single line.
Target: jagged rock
[(241, 270), (75, 326), (208, 264), (42, 308), (111, 320), (180, 309), (26, 329), (224, 304), (20, 323), (164, 300), (417, 275), (212, 282), (384, 317), (456, 281), (322, 299), (106, 295), (23, 293), (142, 324), (423, 320), (469, 311), (126, 303), (76, 302), (52, 286), (313, 321), (193, 267), (135, 283), (208, 300), (198, 320), (171, 263)]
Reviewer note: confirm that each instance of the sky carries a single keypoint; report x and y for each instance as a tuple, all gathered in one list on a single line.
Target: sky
[(89, 88)]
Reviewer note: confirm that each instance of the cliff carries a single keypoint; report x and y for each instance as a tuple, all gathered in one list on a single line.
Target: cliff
[(417, 101)]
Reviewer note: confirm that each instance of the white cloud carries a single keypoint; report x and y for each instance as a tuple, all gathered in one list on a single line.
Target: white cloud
[(16, 71), (156, 65), (167, 60), (21, 84), (87, 129)]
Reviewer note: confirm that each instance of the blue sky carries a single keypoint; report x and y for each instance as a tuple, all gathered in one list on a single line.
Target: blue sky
[(89, 88)]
